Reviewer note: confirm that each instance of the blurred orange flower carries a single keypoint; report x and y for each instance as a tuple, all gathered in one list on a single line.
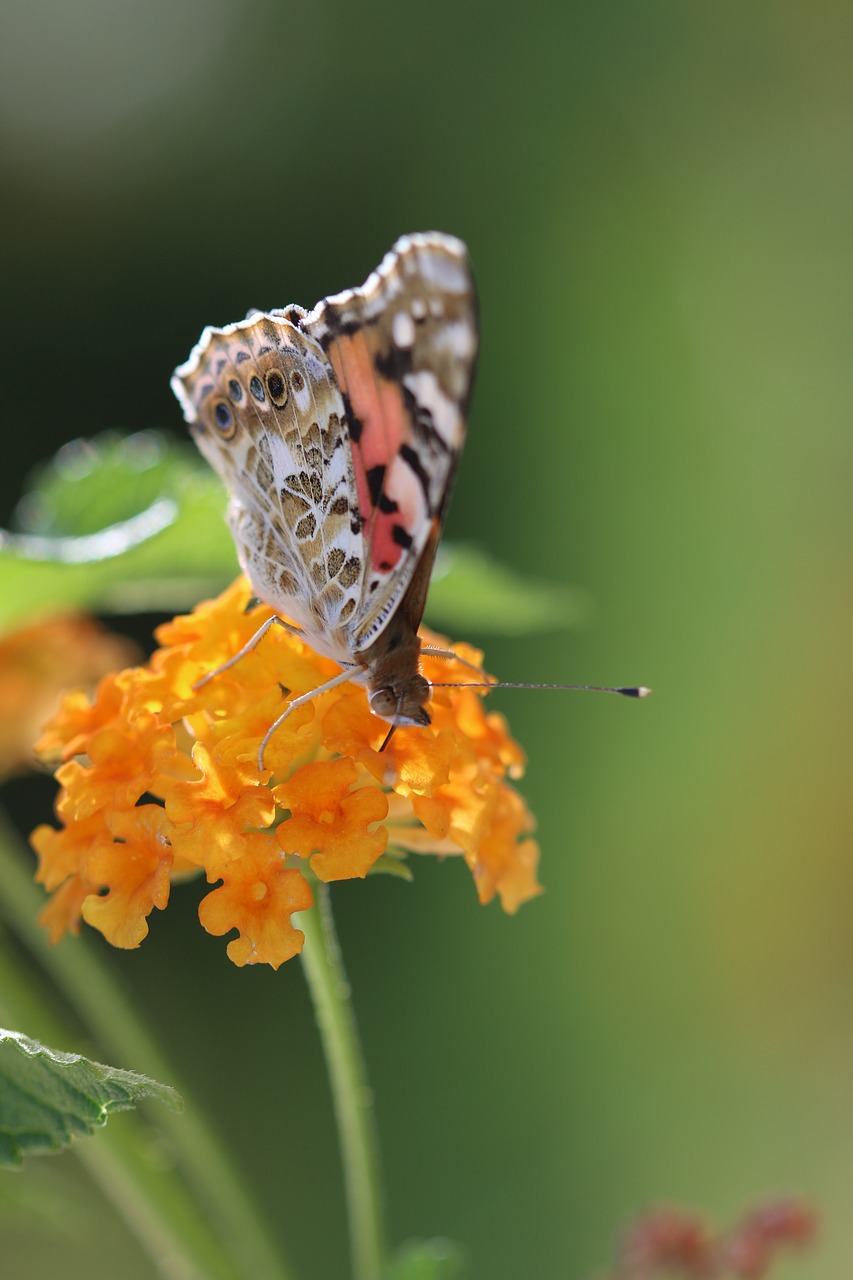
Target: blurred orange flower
[(39, 662), (158, 779)]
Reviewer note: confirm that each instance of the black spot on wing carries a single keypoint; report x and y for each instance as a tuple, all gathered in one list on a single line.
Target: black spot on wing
[(410, 457), (375, 480), (336, 326), (393, 365), (401, 536), (421, 417), (356, 426)]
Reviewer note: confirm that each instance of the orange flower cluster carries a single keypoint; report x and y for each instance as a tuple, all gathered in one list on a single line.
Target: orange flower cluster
[(159, 780), (39, 661)]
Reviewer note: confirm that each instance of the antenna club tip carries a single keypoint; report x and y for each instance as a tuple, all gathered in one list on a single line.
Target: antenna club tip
[(639, 691)]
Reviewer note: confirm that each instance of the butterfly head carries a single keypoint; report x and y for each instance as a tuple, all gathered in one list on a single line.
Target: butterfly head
[(402, 703)]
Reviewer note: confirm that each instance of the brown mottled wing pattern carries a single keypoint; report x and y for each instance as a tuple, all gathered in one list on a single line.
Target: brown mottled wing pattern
[(403, 348), (267, 413)]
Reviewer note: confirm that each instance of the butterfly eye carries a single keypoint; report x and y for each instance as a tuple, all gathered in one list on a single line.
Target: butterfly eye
[(297, 381), (383, 703), (257, 388), (235, 391), (277, 388), (224, 419)]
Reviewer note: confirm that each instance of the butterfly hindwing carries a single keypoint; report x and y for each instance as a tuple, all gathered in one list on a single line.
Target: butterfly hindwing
[(267, 413)]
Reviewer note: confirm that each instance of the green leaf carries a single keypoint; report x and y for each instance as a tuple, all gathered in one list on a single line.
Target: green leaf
[(48, 1097), (471, 591), (436, 1259), (91, 484), (115, 525)]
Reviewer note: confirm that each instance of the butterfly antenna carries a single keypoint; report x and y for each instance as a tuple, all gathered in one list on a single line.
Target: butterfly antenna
[(627, 691)]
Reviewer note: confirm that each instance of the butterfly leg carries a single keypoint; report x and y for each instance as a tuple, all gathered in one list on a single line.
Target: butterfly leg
[(275, 620), (340, 678), (432, 652)]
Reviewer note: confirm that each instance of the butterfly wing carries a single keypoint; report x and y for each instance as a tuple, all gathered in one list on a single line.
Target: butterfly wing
[(266, 411), (337, 434), (403, 349)]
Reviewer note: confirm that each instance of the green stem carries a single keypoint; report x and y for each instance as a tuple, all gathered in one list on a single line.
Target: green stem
[(98, 1000), (353, 1100)]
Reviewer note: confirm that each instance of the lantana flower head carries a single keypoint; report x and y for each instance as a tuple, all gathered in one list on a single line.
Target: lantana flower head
[(159, 780)]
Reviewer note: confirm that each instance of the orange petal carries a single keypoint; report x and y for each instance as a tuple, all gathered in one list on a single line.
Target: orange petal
[(135, 871), (63, 853), (62, 913), (212, 813), (329, 823), (417, 758), (258, 895), (126, 761), (505, 859)]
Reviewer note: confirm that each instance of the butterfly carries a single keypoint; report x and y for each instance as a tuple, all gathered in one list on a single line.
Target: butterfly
[(337, 432)]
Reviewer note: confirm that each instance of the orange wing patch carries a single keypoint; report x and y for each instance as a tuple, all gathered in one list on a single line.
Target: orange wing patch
[(390, 500)]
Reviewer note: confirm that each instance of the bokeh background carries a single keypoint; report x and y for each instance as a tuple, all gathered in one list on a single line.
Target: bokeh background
[(657, 199)]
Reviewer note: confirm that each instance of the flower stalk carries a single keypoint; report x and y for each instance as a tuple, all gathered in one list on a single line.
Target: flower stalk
[(352, 1097)]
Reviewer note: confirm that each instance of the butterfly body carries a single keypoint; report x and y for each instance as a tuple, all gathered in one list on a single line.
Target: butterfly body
[(337, 433)]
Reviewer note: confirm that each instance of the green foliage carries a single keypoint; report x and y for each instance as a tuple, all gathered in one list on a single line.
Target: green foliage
[(436, 1259), (116, 525), (48, 1097), (472, 591), (128, 524)]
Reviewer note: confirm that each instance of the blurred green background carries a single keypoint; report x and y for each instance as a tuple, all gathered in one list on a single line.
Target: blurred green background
[(657, 199)]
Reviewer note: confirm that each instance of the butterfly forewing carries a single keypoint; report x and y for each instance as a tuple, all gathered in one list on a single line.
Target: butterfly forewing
[(403, 349)]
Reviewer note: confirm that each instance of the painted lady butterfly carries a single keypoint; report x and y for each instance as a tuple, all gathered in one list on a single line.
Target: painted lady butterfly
[(337, 432)]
